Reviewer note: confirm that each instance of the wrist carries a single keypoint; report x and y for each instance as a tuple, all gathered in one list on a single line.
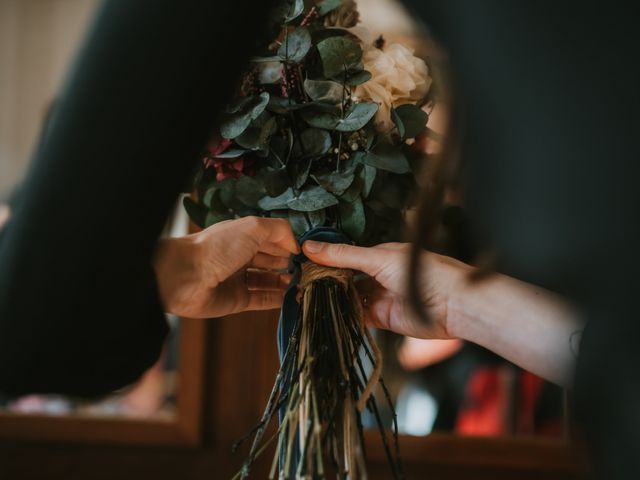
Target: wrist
[(459, 310), (458, 313)]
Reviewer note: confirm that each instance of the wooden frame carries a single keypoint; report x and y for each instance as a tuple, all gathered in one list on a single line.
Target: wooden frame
[(184, 429), (511, 455)]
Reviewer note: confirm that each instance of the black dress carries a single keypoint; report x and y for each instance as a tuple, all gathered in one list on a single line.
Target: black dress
[(549, 95), (79, 308)]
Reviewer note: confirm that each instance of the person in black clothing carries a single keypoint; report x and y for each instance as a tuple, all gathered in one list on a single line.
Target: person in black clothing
[(81, 312)]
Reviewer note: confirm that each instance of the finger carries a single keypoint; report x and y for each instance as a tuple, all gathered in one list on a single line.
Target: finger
[(275, 250), (394, 246), (340, 255), (265, 280), (233, 296), (264, 300), (417, 353), (270, 262), (276, 231)]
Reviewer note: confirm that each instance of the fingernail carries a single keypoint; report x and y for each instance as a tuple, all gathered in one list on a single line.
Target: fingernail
[(312, 246)]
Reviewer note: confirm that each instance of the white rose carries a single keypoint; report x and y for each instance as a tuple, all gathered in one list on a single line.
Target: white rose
[(398, 77)]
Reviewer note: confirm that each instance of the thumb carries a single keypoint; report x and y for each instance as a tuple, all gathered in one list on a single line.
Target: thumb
[(340, 255)]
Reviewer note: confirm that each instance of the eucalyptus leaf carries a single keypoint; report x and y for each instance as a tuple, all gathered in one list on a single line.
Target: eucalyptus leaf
[(272, 59), (338, 54), (237, 122), (413, 118), (312, 198), (301, 222), (234, 125), (238, 104), (295, 10), (211, 196), (298, 222), (276, 203), (349, 165), (370, 135), (249, 190), (323, 106), (353, 191), (300, 171), (280, 105), (276, 181), (368, 175), (357, 116), (257, 137), (224, 196), (231, 153), (312, 142), (320, 34), (324, 90), (352, 71), (326, 6), (217, 211), (196, 211), (335, 182), (249, 139), (318, 118), (358, 78), (387, 157), (278, 149), (296, 45), (398, 123), (352, 218)]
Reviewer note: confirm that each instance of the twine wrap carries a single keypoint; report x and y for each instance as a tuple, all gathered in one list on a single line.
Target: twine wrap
[(312, 272)]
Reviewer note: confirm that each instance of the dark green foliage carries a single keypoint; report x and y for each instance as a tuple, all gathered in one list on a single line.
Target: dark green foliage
[(303, 147)]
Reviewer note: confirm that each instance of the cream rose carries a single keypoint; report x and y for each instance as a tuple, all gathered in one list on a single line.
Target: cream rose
[(398, 77)]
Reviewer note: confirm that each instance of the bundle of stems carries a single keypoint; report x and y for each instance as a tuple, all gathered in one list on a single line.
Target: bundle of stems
[(323, 387)]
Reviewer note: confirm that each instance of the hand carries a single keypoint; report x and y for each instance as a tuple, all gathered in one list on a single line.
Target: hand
[(386, 304), (230, 267), (419, 353)]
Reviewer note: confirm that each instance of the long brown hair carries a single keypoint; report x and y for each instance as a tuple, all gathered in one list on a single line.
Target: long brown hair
[(443, 172)]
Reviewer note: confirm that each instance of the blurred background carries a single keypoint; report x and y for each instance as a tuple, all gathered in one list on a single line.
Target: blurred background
[(38, 39)]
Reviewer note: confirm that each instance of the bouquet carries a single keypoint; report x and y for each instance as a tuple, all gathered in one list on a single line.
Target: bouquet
[(320, 131)]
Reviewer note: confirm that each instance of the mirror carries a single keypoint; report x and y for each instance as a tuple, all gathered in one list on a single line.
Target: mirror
[(154, 395)]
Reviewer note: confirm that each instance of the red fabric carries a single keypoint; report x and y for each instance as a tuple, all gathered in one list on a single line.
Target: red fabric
[(487, 402)]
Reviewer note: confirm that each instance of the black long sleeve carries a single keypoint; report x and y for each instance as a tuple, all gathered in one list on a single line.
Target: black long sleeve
[(549, 99), (79, 309)]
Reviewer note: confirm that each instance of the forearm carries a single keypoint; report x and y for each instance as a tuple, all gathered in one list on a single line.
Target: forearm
[(526, 325)]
